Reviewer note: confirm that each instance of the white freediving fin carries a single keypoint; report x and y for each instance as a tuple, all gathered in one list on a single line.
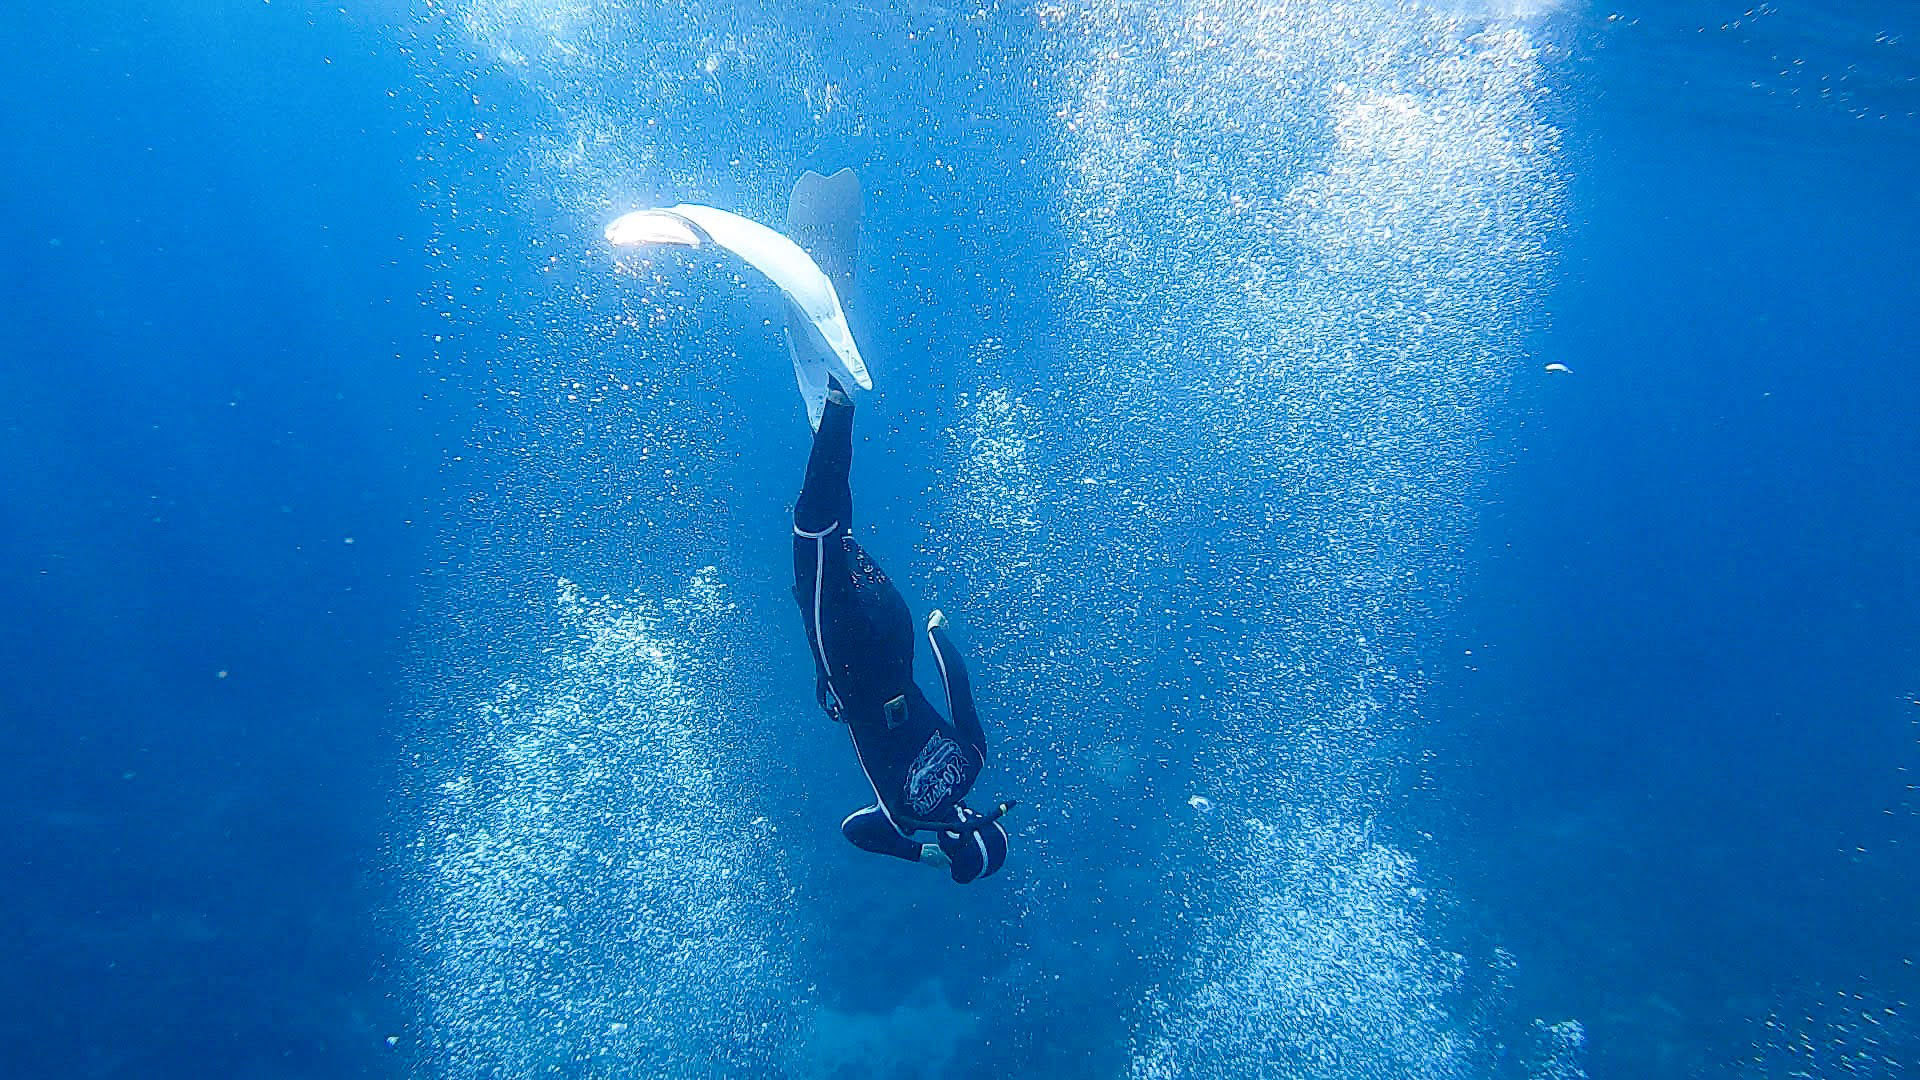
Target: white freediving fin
[(815, 315), (823, 217)]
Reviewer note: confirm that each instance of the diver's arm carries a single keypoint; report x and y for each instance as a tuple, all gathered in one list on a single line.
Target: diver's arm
[(820, 519), (822, 688), (953, 673), (823, 693)]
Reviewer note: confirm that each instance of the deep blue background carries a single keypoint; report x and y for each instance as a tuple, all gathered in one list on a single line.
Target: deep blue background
[(1688, 723), (1672, 772), (210, 384)]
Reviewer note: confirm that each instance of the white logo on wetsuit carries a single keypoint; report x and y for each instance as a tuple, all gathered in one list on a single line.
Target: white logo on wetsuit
[(935, 773)]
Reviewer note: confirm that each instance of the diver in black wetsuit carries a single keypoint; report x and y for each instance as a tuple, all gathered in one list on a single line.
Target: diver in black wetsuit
[(919, 764)]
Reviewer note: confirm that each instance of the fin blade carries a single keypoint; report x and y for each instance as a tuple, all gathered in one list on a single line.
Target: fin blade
[(824, 215)]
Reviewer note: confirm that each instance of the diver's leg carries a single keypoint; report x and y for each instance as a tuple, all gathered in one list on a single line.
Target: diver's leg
[(822, 581), (884, 627), (869, 830), (823, 586), (953, 672), (826, 497)]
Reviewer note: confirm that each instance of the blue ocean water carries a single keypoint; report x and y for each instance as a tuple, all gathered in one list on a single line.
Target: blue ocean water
[(403, 677)]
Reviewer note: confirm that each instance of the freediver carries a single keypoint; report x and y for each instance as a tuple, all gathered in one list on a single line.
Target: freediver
[(919, 764)]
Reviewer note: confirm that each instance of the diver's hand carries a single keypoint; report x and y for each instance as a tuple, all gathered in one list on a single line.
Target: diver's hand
[(824, 695), (934, 857), (936, 620)]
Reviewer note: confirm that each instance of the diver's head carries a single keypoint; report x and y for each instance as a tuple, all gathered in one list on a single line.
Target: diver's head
[(976, 853)]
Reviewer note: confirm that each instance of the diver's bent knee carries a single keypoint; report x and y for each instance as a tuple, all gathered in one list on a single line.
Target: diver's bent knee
[(869, 829)]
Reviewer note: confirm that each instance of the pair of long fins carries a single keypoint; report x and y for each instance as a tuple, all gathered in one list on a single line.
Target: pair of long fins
[(814, 268)]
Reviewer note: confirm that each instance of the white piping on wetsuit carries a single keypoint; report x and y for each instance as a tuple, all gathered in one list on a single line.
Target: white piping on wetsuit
[(819, 632), (940, 659)]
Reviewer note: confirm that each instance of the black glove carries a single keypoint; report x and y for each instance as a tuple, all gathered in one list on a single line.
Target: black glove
[(824, 694)]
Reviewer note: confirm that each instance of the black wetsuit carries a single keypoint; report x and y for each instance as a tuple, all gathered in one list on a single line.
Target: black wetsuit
[(919, 764)]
